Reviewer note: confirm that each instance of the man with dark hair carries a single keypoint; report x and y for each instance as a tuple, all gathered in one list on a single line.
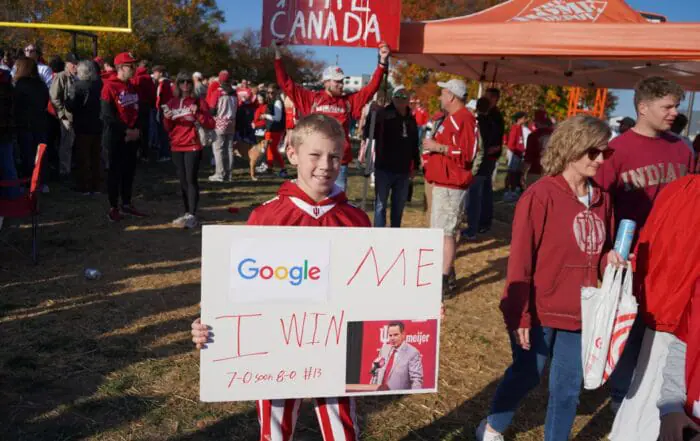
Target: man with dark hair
[(59, 92), (646, 159), (402, 368), (493, 95), (626, 124), (679, 124)]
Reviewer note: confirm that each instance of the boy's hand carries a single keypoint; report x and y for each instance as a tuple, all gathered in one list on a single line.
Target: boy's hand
[(200, 334)]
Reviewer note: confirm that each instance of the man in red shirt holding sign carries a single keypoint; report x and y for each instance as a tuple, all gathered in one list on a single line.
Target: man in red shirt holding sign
[(332, 101), (448, 167)]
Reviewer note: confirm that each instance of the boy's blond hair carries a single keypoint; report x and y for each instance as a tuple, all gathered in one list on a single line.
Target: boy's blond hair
[(323, 125), (570, 141)]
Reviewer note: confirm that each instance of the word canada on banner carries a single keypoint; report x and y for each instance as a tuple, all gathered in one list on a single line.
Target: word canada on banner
[(357, 23)]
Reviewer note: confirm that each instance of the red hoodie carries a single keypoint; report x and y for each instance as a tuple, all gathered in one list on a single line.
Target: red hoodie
[(536, 146), (343, 108), (557, 248), (181, 126), (690, 334), (516, 142), (123, 98), (258, 120), (164, 92), (145, 87), (292, 207), (459, 133)]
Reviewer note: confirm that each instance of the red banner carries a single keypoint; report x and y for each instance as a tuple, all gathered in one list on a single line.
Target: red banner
[(420, 334), (356, 23)]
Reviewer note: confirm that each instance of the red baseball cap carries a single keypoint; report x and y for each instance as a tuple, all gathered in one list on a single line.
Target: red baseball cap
[(98, 59), (124, 58)]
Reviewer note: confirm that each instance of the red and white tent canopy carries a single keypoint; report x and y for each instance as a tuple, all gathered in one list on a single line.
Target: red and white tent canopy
[(588, 43)]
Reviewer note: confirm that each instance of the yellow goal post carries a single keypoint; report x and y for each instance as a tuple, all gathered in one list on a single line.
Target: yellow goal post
[(72, 27)]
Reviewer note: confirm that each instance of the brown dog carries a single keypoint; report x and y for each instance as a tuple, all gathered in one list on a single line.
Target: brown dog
[(250, 152)]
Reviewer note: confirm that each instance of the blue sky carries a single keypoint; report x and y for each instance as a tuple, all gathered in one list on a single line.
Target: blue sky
[(241, 14)]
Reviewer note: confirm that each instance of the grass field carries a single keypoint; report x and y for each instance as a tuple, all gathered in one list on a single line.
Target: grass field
[(111, 359)]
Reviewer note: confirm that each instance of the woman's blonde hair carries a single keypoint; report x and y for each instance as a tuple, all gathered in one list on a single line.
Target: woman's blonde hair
[(570, 141)]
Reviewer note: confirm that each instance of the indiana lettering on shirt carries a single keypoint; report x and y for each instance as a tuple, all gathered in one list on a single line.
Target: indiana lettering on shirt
[(126, 99), (652, 175), (183, 112), (330, 108)]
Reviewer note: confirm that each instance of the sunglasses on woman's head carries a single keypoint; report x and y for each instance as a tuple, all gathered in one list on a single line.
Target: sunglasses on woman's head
[(593, 153)]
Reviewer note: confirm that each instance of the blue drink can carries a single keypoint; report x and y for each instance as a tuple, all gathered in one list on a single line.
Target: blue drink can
[(625, 235)]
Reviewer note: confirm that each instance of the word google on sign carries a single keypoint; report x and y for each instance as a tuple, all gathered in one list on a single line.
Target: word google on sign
[(332, 22), (296, 275)]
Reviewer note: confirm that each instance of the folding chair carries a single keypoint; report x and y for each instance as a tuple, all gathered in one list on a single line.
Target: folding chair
[(27, 204)]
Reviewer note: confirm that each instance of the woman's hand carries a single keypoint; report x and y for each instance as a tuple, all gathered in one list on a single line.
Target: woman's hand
[(522, 338), (615, 259)]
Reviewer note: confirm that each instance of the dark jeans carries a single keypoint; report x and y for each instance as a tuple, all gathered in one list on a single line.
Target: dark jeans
[(88, 150), (28, 144), (163, 140), (187, 166), (397, 184), (563, 349), (480, 206), (8, 171), (122, 168), (145, 128)]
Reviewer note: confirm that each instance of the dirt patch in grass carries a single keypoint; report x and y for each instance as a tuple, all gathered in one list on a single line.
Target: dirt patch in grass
[(110, 359)]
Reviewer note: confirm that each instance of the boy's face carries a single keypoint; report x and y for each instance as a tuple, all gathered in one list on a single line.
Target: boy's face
[(659, 113), (318, 164)]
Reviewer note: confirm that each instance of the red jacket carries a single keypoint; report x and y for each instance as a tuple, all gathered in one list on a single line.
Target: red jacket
[(536, 146), (342, 108), (690, 334), (516, 142), (258, 120), (145, 87), (181, 127), (459, 133), (421, 116), (164, 92), (668, 253), (123, 99), (211, 90), (292, 207), (557, 248)]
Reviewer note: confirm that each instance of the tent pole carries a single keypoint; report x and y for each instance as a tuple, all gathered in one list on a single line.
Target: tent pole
[(691, 104)]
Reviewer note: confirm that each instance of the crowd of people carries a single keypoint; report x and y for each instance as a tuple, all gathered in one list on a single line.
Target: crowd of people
[(571, 184)]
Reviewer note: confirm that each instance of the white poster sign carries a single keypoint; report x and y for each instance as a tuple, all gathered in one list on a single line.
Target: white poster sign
[(317, 312)]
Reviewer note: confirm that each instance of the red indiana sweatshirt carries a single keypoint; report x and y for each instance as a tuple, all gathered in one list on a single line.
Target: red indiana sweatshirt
[(343, 108), (640, 168), (181, 127), (557, 248), (292, 207), (145, 87)]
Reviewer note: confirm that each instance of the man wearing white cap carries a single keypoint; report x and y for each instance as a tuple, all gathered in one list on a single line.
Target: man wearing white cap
[(447, 167), (332, 101)]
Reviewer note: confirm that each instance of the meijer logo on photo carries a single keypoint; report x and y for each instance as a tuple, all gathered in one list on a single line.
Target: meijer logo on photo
[(295, 275)]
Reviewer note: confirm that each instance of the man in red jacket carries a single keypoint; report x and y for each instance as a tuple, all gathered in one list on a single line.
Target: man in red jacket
[(164, 93), (448, 168), (146, 90), (646, 159), (331, 100)]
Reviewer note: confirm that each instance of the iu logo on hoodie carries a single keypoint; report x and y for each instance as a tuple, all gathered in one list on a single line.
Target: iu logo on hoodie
[(589, 231)]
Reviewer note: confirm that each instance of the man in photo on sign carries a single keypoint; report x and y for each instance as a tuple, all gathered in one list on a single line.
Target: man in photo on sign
[(332, 101), (403, 364), (313, 200)]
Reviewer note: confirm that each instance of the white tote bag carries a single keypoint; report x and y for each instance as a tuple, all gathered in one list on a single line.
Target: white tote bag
[(599, 307)]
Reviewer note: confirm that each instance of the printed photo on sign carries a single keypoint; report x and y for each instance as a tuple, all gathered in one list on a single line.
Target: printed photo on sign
[(297, 271), (391, 355)]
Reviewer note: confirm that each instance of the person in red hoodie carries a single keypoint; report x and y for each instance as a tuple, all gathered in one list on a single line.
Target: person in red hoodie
[(516, 151), (448, 158), (164, 93), (180, 117), (313, 200), (561, 239), (331, 100), (119, 113), (146, 89)]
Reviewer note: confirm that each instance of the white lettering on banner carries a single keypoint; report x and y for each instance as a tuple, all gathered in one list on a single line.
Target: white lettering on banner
[(564, 10), (273, 29), (346, 28), (298, 24), (315, 24), (323, 24), (356, 8)]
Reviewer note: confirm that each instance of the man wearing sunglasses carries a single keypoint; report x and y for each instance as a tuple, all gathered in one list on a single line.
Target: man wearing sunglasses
[(646, 159), (332, 101), (45, 72)]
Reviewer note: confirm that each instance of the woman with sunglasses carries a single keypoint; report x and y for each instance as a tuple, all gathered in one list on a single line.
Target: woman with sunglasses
[(181, 117), (561, 240)]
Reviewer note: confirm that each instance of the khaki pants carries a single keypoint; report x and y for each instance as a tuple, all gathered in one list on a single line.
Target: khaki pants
[(65, 150), (223, 154)]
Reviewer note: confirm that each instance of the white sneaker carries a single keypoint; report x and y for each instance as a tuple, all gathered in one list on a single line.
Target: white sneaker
[(180, 222), (191, 221), (485, 435), (216, 178)]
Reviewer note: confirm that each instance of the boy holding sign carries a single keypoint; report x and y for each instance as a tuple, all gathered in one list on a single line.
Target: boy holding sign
[(313, 200)]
